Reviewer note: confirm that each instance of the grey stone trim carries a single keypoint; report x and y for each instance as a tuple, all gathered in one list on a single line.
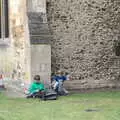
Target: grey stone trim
[(35, 17), (40, 39), (38, 28)]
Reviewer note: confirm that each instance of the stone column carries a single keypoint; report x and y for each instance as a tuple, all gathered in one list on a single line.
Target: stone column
[(39, 39)]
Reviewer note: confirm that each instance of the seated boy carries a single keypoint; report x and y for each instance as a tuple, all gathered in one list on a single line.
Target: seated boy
[(37, 89), (58, 85)]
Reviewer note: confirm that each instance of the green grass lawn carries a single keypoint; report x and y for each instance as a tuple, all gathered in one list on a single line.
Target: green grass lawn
[(105, 106)]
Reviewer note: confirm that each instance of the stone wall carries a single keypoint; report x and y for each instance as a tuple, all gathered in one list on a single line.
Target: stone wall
[(6, 60), (84, 33)]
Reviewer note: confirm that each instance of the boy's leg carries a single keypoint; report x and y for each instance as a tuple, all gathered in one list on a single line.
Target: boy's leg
[(65, 91), (55, 85), (30, 96), (33, 95), (42, 95)]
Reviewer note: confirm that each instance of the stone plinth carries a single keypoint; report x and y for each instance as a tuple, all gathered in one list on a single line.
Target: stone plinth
[(41, 61)]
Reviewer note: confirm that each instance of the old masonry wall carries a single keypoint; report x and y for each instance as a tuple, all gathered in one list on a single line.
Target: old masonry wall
[(84, 36)]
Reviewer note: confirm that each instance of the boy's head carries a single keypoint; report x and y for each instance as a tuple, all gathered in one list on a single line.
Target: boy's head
[(37, 78), (59, 73)]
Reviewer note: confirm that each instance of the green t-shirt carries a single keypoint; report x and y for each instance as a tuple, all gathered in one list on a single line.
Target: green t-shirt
[(35, 87)]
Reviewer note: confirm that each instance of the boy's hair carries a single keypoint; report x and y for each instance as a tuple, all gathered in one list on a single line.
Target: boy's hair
[(37, 77), (59, 71)]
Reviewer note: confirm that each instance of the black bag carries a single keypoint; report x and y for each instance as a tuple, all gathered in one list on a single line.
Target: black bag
[(50, 95)]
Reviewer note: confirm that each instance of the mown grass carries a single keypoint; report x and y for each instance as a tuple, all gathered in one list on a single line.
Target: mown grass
[(89, 106)]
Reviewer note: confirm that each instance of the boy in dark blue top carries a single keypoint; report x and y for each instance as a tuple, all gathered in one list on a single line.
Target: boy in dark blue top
[(59, 79)]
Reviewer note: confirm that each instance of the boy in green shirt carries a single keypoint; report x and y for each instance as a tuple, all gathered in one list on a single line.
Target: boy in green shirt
[(36, 89)]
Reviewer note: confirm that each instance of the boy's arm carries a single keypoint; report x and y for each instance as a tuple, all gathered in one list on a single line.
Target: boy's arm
[(32, 89), (42, 87), (64, 78)]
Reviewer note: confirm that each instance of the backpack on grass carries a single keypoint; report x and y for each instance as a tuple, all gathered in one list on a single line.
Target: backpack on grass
[(50, 95)]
